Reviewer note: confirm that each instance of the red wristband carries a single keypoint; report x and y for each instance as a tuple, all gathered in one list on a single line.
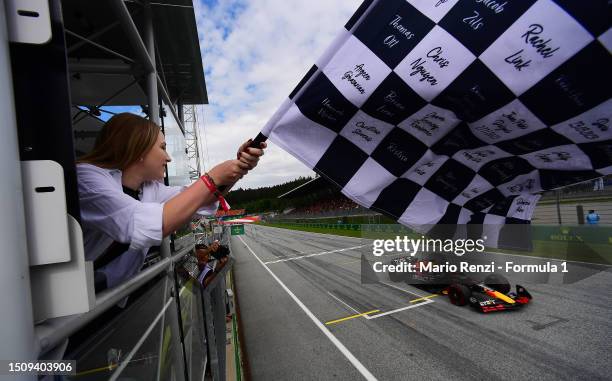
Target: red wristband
[(212, 187)]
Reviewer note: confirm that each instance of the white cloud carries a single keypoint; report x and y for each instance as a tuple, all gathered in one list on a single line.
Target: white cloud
[(254, 54)]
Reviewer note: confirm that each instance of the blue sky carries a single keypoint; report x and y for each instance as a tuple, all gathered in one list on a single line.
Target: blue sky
[(254, 52), (119, 109)]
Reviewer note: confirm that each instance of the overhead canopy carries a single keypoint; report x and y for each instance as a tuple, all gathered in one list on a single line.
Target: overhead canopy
[(97, 75)]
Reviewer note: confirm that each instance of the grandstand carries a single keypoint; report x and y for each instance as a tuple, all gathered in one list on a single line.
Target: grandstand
[(319, 199), (331, 204)]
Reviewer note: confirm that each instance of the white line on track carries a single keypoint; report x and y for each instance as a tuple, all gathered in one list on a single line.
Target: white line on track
[(427, 301), (399, 309), (402, 289), (315, 254), (346, 304), (349, 356), (368, 317)]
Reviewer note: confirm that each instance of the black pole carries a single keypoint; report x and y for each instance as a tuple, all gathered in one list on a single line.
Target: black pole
[(559, 207)]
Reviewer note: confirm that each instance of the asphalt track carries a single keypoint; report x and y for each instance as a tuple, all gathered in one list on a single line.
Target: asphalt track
[(291, 283)]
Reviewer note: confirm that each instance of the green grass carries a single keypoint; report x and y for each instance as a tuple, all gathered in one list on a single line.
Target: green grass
[(346, 233)]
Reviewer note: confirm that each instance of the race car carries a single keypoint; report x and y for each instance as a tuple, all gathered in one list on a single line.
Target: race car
[(491, 296), (486, 295)]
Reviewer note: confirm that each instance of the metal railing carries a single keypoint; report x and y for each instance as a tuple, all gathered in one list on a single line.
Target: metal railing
[(214, 317), (214, 305), (53, 333)]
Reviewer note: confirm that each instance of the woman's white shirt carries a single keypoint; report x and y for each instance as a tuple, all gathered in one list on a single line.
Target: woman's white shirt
[(108, 214)]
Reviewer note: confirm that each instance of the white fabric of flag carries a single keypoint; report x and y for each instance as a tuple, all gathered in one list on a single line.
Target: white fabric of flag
[(456, 112)]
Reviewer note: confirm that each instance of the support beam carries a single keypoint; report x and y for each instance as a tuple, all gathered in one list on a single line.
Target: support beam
[(101, 47), (142, 53), (132, 34), (92, 36), (98, 67), (149, 37), (168, 102), (152, 93), (181, 115), (75, 121)]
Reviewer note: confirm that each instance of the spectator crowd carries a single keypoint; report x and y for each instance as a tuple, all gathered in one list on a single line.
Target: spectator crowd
[(337, 203)]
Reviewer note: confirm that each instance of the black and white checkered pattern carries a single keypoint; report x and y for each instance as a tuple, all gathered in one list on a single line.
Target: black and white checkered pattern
[(454, 112)]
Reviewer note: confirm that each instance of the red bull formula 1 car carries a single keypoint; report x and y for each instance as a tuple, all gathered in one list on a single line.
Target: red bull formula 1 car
[(490, 296)]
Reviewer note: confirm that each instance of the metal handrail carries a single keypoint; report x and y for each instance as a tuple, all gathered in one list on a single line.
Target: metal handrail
[(142, 339), (52, 332)]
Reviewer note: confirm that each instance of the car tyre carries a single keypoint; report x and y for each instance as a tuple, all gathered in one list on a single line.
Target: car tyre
[(459, 294), (397, 277)]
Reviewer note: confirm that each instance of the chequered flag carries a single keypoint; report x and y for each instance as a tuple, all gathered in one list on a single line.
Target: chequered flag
[(457, 112)]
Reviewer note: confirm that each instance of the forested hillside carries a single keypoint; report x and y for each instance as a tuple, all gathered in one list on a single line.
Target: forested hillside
[(263, 199)]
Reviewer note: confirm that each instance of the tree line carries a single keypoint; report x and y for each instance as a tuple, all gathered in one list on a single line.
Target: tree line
[(264, 199)]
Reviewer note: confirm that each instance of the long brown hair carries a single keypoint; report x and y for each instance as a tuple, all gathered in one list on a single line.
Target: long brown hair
[(124, 139)]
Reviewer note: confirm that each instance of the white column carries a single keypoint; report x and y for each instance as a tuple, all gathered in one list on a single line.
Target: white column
[(16, 321)]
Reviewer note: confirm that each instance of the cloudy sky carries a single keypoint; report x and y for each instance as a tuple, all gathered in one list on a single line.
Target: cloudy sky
[(254, 52)]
